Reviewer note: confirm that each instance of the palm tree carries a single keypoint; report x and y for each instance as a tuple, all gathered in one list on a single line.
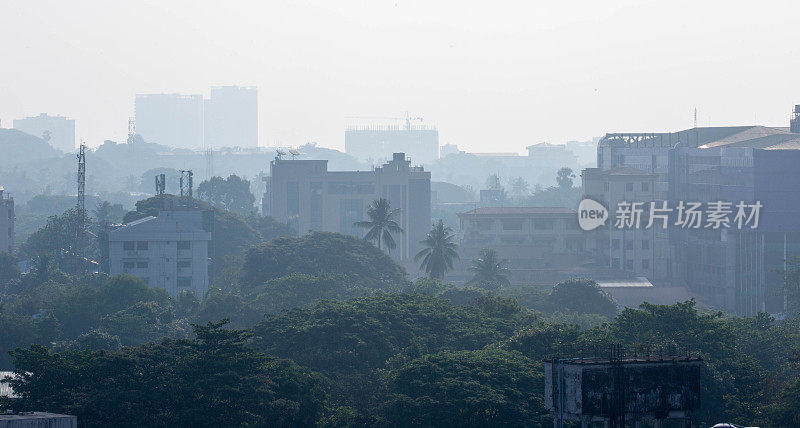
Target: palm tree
[(437, 258), (381, 223), (489, 270)]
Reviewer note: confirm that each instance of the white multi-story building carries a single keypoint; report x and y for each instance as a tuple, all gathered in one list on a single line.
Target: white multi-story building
[(169, 251), (6, 223)]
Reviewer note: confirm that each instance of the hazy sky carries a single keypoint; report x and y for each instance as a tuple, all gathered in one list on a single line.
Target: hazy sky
[(491, 75)]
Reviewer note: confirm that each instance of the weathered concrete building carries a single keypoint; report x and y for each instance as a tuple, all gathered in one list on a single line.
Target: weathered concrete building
[(377, 143), (587, 390), (306, 195)]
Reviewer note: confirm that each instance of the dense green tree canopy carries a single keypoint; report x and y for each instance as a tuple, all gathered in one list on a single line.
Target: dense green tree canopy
[(231, 194), (581, 296), (321, 252)]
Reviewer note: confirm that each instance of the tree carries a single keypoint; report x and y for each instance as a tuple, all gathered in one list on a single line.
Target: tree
[(581, 296), (8, 269), (437, 258), (519, 188), (232, 194), (490, 272), (564, 178), (493, 182), (381, 223), (488, 387), (320, 253)]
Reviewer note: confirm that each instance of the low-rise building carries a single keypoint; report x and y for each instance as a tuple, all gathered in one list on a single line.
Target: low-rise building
[(170, 251), (7, 218), (531, 239), (37, 419)]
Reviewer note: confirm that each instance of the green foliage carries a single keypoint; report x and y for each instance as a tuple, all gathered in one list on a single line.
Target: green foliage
[(490, 271), (56, 240), (300, 290), (466, 388), (9, 271), (231, 194), (364, 333), (439, 252), (213, 380), (318, 253), (564, 178), (582, 296), (381, 223)]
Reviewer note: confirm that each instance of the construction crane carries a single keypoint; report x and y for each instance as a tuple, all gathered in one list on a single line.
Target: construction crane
[(407, 119)]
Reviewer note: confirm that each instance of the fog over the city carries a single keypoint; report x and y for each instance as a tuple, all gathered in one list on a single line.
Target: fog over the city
[(492, 76)]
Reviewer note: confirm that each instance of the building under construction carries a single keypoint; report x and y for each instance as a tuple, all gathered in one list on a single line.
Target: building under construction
[(618, 391), (376, 143)]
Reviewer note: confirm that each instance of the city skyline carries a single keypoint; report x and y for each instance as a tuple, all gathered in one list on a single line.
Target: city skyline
[(490, 78)]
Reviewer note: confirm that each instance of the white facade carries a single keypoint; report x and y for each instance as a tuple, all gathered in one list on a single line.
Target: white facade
[(169, 251), (58, 131), (6, 223)]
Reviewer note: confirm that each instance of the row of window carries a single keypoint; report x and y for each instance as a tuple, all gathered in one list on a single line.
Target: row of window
[(145, 264), (629, 244), (518, 224), (143, 245), (645, 263), (628, 186)]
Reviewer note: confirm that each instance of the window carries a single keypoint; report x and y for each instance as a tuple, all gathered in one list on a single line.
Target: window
[(485, 224), (543, 224), (645, 264), (184, 281), (629, 264), (645, 186), (128, 265), (512, 224), (606, 186), (645, 244), (127, 245), (141, 265), (184, 264), (615, 262), (141, 245), (629, 244), (615, 245), (629, 187), (183, 245)]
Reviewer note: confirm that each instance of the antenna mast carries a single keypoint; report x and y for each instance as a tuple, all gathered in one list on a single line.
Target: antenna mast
[(695, 117), (186, 183), (80, 227)]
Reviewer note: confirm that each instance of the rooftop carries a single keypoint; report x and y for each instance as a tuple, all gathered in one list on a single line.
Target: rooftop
[(518, 211)]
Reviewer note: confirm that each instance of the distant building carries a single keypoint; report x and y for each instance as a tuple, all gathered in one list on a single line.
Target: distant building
[(170, 251), (733, 269), (531, 239), (170, 119), (556, 154), (309, 197), (641, 251), (377, 143), (37, 419), (231, 117), (7, 219), (449, 149), (58, 131)]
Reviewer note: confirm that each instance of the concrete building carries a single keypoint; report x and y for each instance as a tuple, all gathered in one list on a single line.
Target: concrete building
[(730, 268), (532, 239), (615, 390), (639, 250), (376, 143), (231, 117), (171, 119), (58, 131), (7, 218), (311, 198), (170, 251), (37, 420), (552, 153)]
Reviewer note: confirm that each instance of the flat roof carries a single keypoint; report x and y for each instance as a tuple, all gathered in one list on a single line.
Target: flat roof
[(518, 211)]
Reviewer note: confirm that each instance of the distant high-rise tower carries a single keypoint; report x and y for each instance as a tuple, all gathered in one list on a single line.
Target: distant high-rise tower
[(58, 131), (231, 117), (171, 119), (794, 124)]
